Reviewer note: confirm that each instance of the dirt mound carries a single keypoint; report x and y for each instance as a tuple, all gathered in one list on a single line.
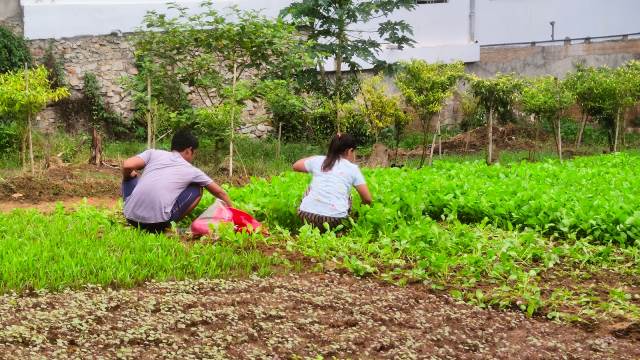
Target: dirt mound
[(62, 182), (295, 316), (509, 137)]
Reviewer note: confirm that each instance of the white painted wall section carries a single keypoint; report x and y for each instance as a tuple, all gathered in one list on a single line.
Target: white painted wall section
[(442, 31), (510, 21)]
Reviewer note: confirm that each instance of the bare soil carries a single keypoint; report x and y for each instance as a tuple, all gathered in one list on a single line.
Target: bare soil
[(73, 181), (508, 137), (282, 317)]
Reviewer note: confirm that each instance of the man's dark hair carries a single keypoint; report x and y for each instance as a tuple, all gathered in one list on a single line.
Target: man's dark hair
[(183, 139)]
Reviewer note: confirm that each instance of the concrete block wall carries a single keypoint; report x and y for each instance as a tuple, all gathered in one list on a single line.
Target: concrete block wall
[(11, 16)]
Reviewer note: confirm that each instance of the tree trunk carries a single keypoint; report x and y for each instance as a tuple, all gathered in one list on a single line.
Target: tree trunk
[(233, 115), (583, 124), (617, 132), (23, 151), (490, 138), (559, 139), (532, 153), (425, 130), (439, 138), (26, 75), (96, 148), (433, 142), (149, 117), (29, 131)]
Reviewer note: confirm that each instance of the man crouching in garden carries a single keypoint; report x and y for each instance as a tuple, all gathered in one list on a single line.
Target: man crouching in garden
[(169, 187)]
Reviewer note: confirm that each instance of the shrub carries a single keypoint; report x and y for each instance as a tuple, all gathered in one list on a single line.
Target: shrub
[(13, 51)]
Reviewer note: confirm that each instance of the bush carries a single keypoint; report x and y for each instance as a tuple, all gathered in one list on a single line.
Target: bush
[(287, 108), (13, 51), (102, 116), (9, 136)]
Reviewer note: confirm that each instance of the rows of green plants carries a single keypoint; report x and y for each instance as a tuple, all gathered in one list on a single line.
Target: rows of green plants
[(93, 246), (408, 235), (592, 198), (527, 236)]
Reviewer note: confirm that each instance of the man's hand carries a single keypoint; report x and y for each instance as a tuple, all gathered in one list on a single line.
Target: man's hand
[(131, 166)]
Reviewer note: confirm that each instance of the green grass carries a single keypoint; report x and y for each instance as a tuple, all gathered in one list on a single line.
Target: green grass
[(90, 246)]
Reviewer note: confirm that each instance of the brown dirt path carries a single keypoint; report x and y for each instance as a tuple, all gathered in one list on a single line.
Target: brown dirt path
[(302, 315)]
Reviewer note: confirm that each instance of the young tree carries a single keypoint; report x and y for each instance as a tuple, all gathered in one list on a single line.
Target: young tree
[(215, 55), (576, 82), (605, 93), (547, 98), (380, 109), (337, 30), (628, 81), (495, 94), (25, 93), (426, 87)]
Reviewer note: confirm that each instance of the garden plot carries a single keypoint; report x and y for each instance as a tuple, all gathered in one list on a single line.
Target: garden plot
[(296, 316)]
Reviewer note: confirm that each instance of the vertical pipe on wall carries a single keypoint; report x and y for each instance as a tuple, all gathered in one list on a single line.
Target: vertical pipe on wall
[(472, 21)]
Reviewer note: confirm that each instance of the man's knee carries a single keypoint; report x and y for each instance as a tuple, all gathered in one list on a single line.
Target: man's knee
[(186, 202), (128, 186)]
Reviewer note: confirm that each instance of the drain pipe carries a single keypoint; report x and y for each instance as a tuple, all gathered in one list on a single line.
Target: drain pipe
[(472, 21)]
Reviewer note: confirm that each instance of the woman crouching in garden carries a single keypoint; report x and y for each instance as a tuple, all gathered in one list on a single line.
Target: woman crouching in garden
[(328, 198)]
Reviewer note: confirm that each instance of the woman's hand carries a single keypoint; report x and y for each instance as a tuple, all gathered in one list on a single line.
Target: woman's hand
[(364, 193)]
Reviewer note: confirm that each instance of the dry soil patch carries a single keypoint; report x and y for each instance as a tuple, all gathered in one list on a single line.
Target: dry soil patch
[(282, 317)]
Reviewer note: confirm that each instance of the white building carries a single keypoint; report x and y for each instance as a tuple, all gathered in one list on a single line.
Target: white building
[(444, 30)]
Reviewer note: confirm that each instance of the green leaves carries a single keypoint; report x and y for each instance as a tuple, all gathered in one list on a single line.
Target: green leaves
[(14, 53), (546, 97), (427, 86), (498, 93), (207, 50), (16, 101), (379, 108)]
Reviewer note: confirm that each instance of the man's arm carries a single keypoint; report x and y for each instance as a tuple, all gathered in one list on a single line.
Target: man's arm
[(219, 192), (130, 166)]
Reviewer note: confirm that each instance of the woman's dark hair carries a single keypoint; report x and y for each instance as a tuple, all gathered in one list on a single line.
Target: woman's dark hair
[(182, 140), (339, 144)]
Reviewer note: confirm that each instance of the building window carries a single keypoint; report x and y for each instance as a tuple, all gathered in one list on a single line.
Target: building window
[(420, 2)]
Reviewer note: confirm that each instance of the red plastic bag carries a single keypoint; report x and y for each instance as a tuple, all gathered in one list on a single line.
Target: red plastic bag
[(219, 212)]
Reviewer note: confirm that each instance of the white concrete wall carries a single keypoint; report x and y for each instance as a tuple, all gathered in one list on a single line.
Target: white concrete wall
[(508, 21), (9, 8), (441, 30)]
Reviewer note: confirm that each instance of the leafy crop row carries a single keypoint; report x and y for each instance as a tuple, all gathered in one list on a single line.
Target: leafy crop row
[(593, 198), (482, 233)]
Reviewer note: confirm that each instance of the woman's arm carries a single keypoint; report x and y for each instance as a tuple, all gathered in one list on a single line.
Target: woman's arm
[(299, 165), (364, 193)]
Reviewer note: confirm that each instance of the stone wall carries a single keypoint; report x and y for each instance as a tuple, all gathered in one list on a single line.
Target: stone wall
[(110, 58), (555, 60)]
